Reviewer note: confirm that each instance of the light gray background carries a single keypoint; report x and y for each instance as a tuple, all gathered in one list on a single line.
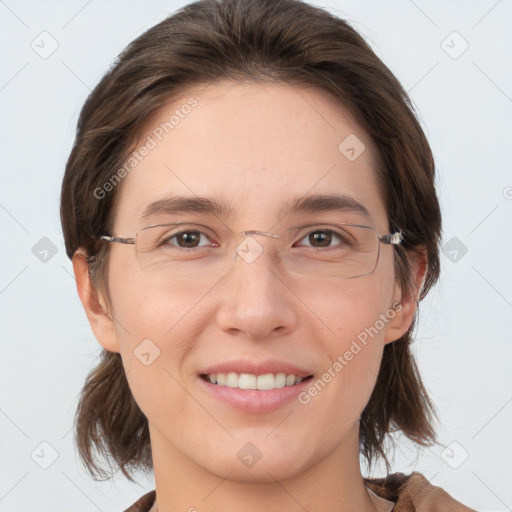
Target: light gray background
[(463, 342)]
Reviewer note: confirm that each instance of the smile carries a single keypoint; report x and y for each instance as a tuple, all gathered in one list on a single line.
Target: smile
[(264, 382)]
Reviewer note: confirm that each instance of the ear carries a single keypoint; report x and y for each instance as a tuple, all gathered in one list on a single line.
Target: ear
[(407, 301), (102, 324)]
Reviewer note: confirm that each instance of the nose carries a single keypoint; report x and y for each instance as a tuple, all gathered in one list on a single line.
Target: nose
[(255, 300)]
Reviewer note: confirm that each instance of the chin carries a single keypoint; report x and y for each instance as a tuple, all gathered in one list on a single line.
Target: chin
[(257, 462), (260, 473)]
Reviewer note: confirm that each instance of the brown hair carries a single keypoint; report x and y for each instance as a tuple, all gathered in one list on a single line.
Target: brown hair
[(281, 41)]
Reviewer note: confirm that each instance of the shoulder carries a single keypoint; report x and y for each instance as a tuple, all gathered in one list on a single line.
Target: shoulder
[(144, 503), (414, 493)]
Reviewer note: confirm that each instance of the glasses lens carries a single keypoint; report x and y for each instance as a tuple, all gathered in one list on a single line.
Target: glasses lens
[(182, 251), (194, 251), (334, 251)]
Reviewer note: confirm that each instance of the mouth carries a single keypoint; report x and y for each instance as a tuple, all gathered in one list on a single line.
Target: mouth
[(249, 381), (250, 393)]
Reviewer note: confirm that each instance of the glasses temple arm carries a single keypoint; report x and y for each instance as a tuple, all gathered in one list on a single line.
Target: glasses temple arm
[(393, 238), (118, 239)]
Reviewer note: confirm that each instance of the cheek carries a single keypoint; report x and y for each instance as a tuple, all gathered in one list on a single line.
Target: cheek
[(349, 307), (351, 332), (156, 327), (145, 307)]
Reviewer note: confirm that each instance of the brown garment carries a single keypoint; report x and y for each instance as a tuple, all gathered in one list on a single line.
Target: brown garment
[(144, 503), (410, 493), (414, 493)]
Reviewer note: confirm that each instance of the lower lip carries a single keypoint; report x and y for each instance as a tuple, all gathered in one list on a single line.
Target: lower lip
[(254, 400)]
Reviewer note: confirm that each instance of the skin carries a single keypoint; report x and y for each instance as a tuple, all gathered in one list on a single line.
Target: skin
[(310, 457)]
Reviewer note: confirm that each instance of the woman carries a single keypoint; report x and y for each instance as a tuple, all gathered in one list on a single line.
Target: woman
[(251, 214)]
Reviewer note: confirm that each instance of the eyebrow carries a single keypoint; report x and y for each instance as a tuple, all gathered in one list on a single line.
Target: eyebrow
[(306, 204), (187, 204), (326, 203)]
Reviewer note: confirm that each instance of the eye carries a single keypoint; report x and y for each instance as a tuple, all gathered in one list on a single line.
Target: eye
[(324, 238), (189, 239)]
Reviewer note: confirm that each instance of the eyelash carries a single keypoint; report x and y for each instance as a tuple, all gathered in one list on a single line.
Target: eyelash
[(165, 241), (324, 231)]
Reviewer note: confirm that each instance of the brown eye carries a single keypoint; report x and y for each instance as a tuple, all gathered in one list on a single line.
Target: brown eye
[(185, 239), (188, 238), (323, 238)]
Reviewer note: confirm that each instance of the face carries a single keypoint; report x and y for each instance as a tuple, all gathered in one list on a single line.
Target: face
[(255, 148)]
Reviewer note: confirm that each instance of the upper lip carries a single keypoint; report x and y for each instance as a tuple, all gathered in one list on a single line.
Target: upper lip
[(256, 368)]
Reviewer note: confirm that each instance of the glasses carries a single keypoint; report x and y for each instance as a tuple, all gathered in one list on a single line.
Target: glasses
[(188, 251)]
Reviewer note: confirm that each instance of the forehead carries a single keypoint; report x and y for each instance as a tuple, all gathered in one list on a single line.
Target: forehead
[(254, 147)]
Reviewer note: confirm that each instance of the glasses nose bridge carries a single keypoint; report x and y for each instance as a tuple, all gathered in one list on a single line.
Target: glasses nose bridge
[(249, 233), (250, 251), (256, 232)]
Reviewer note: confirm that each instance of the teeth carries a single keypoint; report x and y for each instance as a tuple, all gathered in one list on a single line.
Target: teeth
[(251, 381)]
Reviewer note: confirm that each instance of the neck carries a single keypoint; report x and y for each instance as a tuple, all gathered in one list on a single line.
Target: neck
[(331, 483)]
